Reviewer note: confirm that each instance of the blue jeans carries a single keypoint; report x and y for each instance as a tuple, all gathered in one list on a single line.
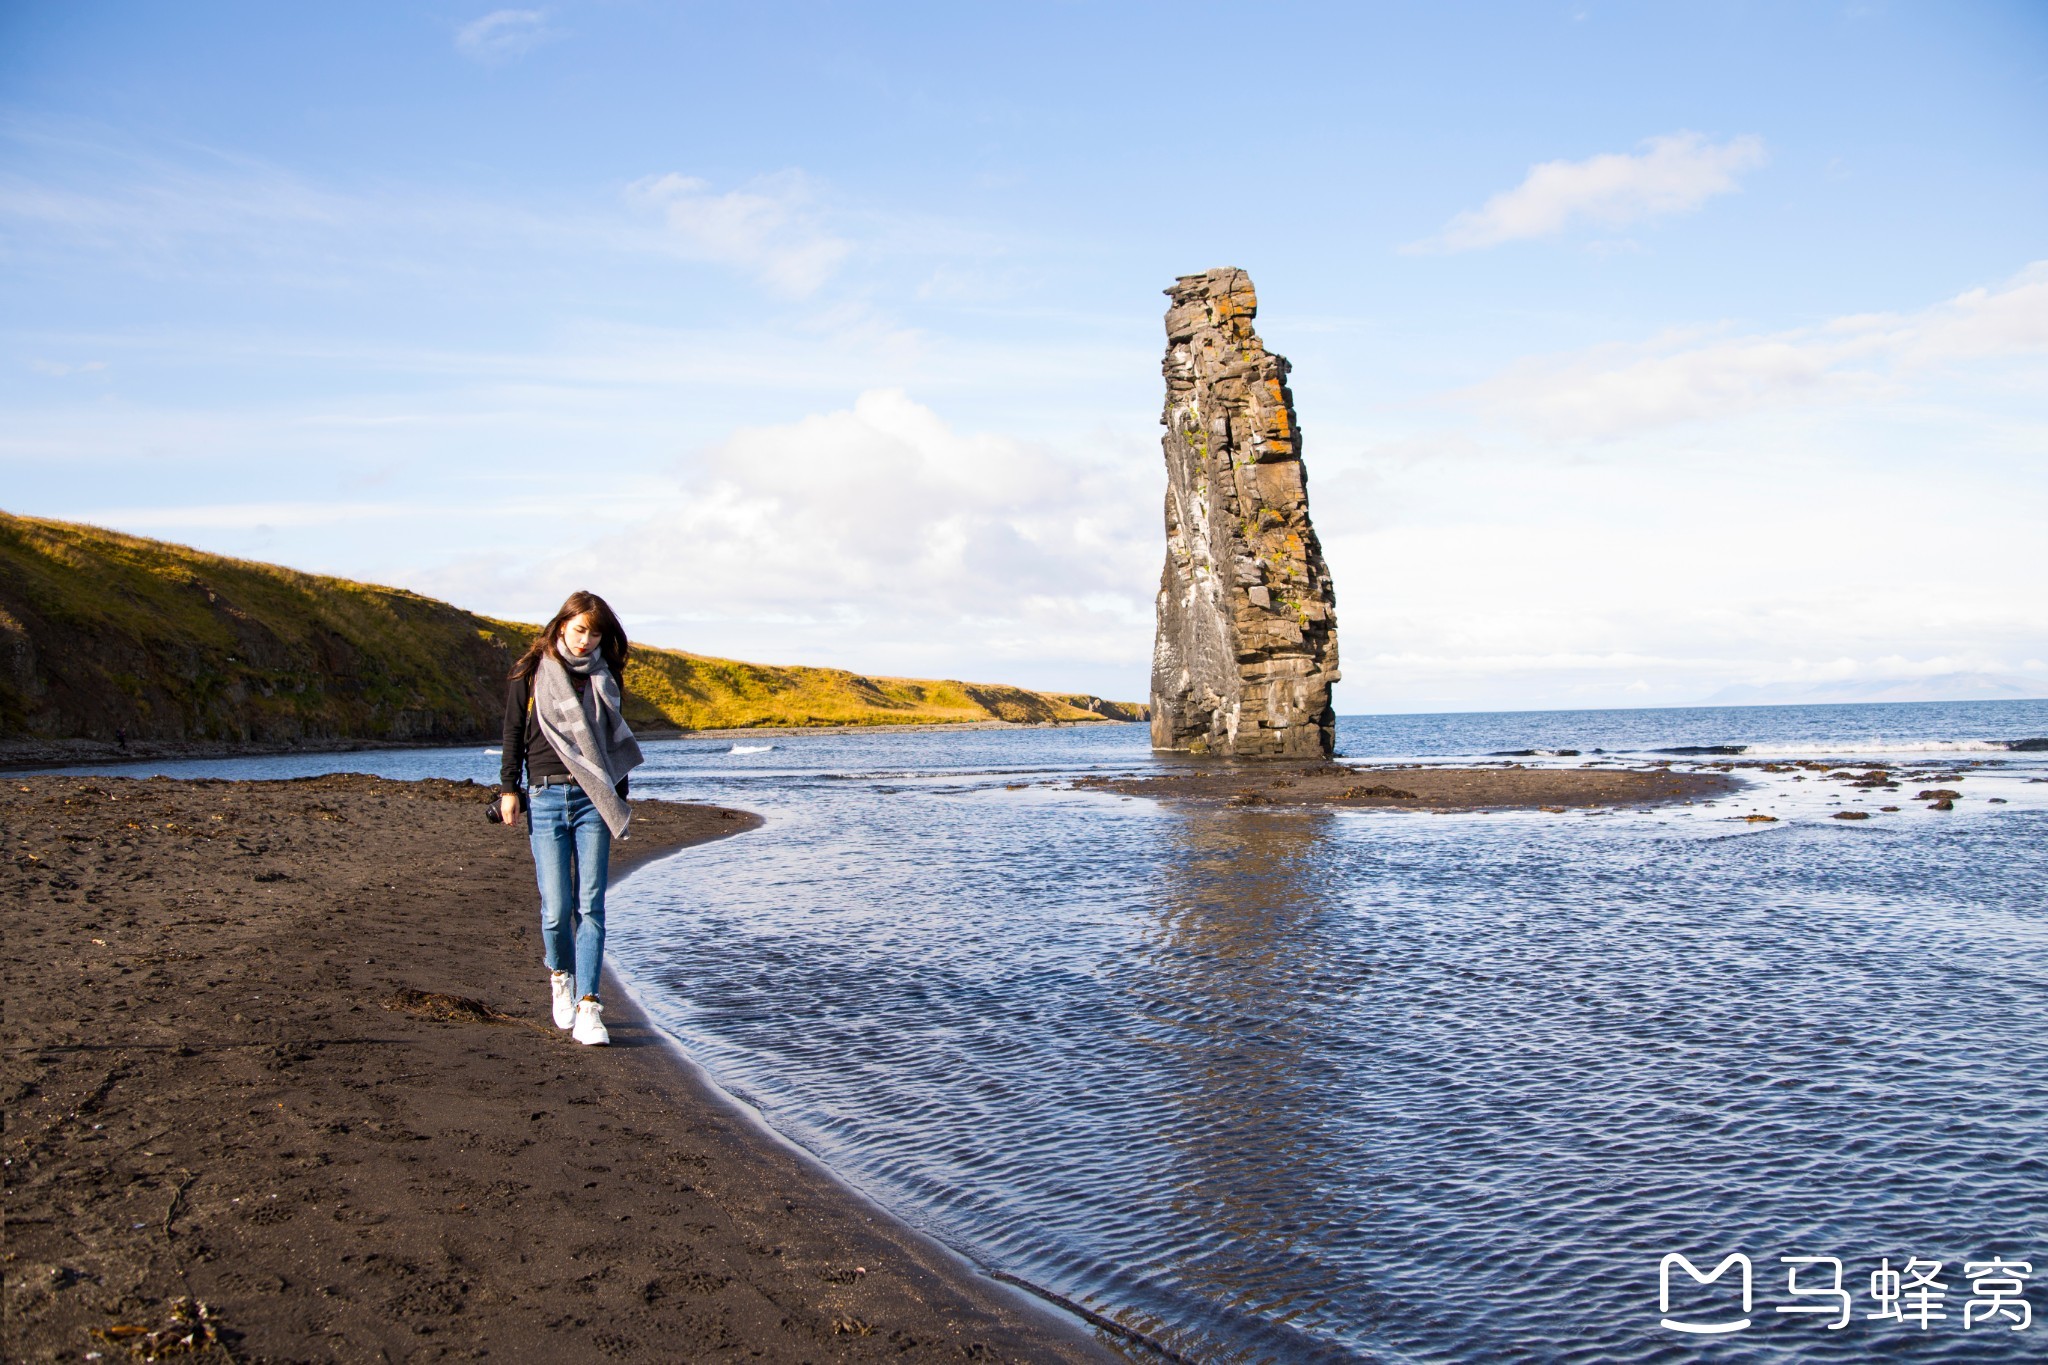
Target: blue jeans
[(572, 853)]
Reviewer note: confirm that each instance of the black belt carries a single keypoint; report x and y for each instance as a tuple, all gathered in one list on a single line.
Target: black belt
[(553, 780)]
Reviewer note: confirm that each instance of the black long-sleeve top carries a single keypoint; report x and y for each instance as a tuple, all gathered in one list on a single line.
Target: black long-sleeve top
[(522, 743)]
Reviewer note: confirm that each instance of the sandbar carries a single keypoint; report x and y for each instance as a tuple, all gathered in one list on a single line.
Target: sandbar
[(1417, 787)]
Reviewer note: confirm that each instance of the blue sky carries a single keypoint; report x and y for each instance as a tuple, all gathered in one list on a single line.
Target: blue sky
[(1644, 353)]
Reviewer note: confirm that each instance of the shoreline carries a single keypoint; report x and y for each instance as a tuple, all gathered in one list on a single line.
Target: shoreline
[(31, 756), (946, 1260), (283, 1048), (21, 755), (909, 727)]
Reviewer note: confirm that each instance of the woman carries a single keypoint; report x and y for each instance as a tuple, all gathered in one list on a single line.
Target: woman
[(563, 725)]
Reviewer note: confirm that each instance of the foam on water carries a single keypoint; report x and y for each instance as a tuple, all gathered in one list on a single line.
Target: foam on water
[(1877, 744)]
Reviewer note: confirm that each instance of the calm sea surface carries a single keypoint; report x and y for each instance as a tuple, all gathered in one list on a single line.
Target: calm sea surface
[(1387, 1085)]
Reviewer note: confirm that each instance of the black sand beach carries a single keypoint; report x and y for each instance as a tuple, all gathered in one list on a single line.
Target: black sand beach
[(282, 1049)]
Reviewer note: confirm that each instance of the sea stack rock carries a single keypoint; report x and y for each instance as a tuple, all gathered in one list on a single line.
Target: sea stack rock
[(1247, 643)]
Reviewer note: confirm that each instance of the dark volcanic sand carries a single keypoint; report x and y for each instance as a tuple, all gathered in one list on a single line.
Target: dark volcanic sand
[(1393, 786), (217, 1087)]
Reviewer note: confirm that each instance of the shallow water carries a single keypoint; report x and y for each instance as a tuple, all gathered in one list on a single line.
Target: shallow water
[(1388, 1085)]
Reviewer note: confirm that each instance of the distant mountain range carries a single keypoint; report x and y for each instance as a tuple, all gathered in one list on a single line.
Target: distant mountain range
[(105, 635), (1939, 687)]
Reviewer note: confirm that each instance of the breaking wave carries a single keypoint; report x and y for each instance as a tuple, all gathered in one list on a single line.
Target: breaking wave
[(1877, 744)]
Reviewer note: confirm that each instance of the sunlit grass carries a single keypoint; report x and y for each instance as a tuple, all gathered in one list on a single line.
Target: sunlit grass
[(100, 630)]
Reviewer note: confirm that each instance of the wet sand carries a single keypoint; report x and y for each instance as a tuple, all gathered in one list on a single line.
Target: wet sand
[(283, 1049), (1507, 786)]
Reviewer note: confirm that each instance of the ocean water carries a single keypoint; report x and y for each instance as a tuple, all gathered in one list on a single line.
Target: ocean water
[(1259, 1085)]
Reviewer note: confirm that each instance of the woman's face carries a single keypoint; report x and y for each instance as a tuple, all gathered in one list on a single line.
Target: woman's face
[(581, 634)]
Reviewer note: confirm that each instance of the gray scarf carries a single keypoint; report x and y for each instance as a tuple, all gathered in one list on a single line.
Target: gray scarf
[(588, 732)]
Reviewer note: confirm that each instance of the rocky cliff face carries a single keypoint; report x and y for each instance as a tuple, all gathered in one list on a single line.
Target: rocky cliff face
[(1247, 644)]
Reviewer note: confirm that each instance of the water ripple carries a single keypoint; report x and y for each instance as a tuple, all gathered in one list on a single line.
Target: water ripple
[(1296, 1087)]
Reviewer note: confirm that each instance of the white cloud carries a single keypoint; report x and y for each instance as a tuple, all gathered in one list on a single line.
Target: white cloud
[(140, 208), (72, 200), (880, 536), (1687, 376), (502, 35), (768, 227), (1672, 174), (60, 368), (1695, 565)]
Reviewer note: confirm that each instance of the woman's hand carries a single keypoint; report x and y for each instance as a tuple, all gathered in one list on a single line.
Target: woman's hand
[(508, 808)]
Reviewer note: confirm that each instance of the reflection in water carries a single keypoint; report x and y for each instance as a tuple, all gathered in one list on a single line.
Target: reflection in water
[(1279, 1087), (1234, 999)]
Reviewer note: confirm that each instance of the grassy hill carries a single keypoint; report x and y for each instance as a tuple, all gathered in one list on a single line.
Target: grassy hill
[(102, 632)]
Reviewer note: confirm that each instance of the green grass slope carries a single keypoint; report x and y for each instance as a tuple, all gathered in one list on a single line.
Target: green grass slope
[(101, 632), (699, 693)]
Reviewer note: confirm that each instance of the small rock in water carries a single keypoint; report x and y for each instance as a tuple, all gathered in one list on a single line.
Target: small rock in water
[(1852, 815), (1889, 810), (1760, 819), (1937, 794), (1943, 805)]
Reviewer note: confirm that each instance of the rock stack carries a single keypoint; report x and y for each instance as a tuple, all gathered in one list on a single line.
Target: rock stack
[(1247, 643)]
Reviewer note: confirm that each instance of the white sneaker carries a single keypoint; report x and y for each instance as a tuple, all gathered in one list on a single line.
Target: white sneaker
[(563, 987), (589, 1027)]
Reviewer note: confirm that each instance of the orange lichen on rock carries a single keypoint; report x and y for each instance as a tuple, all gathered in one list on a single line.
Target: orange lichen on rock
[(1246, 650)]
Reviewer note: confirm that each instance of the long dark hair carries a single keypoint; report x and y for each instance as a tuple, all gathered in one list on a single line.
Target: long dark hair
[(611, 638)]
